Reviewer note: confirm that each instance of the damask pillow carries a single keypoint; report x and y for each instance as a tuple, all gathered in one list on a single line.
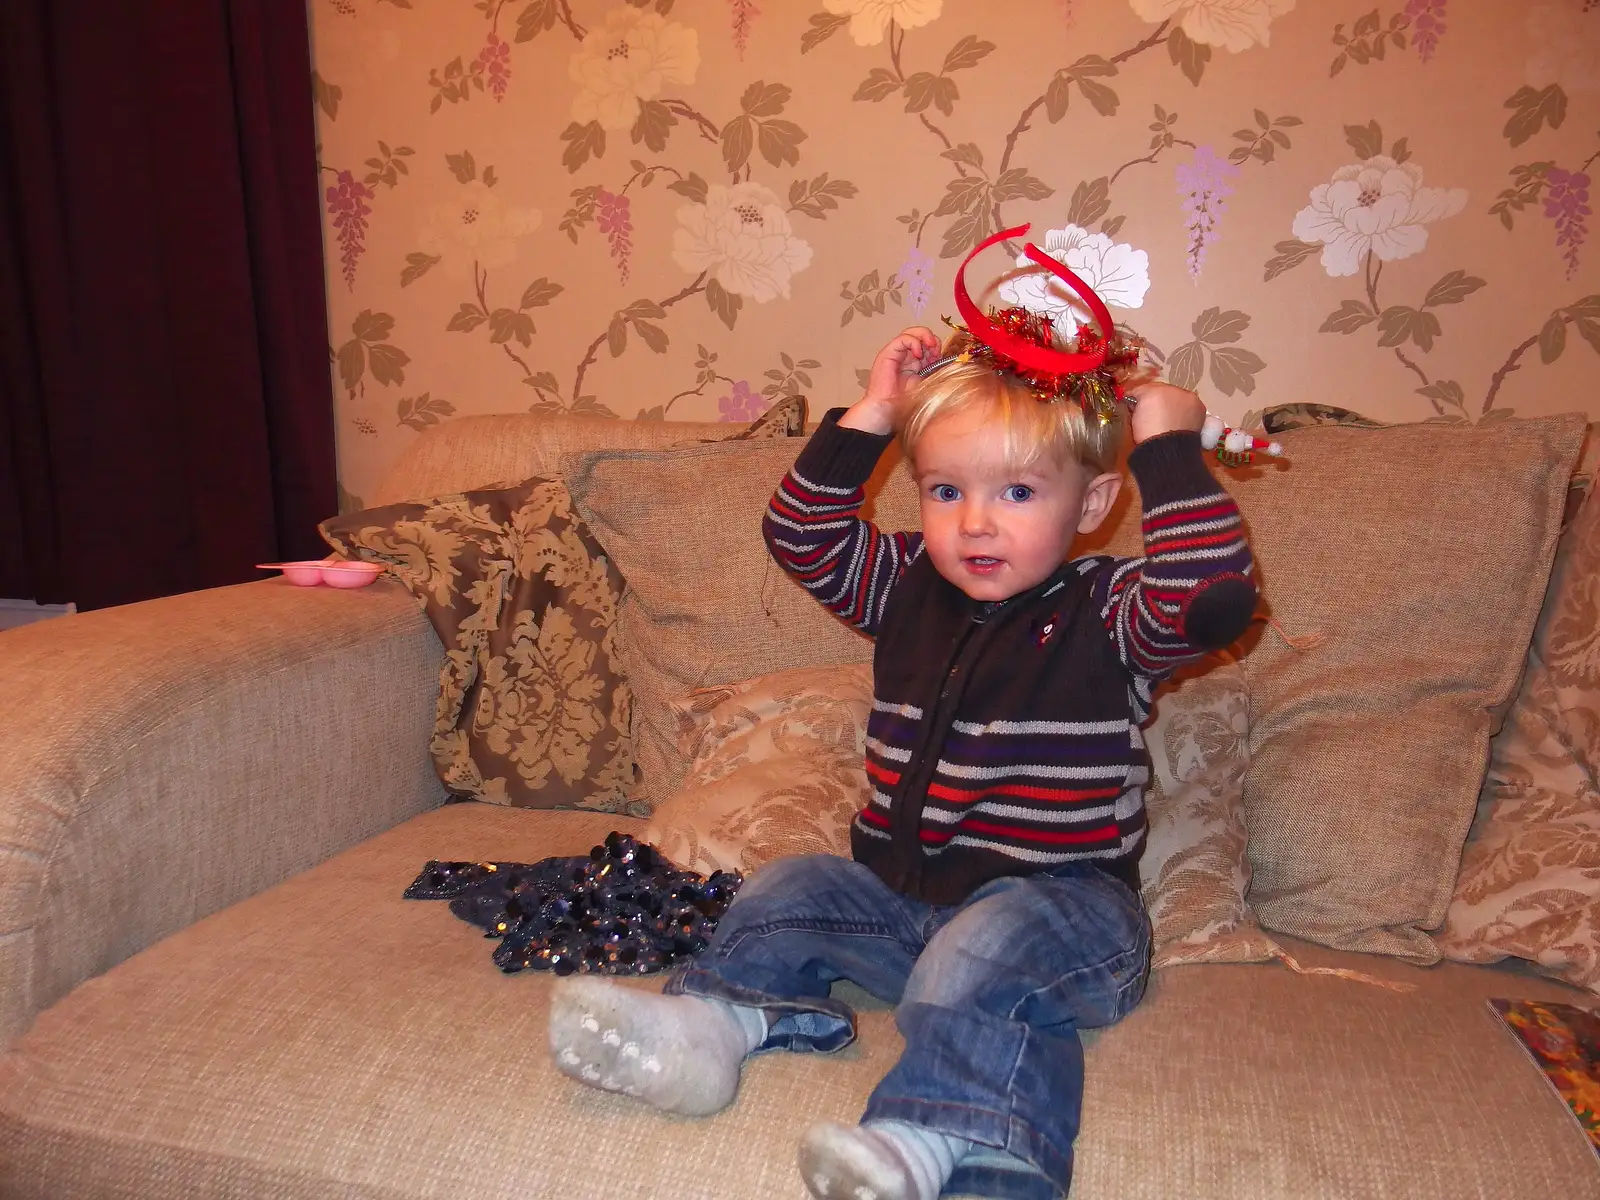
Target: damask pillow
[(1195, 869), (533, 708), (1529, 885), (775, 769)]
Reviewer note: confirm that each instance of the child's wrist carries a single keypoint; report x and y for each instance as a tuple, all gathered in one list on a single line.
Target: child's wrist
[(869, 415)]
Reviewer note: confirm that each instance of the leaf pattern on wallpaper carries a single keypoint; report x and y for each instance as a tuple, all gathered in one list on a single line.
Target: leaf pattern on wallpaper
[(1233, 369), (758, 127), (683, 155), (1421, 22), (368, 351), (419, 412), (869, 294)]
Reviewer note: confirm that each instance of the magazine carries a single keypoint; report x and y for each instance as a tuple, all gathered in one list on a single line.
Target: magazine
[(1564, 1042)]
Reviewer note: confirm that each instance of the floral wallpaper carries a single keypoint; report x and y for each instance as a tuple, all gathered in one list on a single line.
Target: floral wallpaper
[(682, 209)]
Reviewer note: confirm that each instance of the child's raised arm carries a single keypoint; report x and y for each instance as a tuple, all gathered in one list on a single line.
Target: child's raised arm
[(1192, 591), (813, 526)]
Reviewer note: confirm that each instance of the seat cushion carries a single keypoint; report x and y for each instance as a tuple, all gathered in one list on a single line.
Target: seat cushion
[(329, 1039)]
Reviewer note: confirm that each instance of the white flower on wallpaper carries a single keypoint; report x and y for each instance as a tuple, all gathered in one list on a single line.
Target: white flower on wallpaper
[(1115, 270), (1566, 47), (629, 59), (1232, 24), (1379, 206), (870, 18), (741, 235), (475, 226)]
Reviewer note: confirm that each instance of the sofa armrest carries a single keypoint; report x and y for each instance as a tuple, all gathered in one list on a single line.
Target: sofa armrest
[(161, 761)]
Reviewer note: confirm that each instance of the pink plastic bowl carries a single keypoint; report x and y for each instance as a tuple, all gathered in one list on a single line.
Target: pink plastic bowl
[(350, 574), (310, 572)]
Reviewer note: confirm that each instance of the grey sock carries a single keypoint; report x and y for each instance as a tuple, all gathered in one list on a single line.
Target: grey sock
[(678, 1053), (882, 1160), (931, 1155), (753, 1021)]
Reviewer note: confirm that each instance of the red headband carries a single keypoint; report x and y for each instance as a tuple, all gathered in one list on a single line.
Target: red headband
[(1021, 351)]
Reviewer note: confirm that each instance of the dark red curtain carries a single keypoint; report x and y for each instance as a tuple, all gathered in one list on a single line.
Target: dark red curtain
[(167, 414)]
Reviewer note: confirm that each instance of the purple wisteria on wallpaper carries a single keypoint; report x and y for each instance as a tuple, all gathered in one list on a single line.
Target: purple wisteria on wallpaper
[(684, 208)]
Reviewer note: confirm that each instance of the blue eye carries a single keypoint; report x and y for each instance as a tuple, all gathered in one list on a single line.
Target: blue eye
[(1018, 492), (945, 491)]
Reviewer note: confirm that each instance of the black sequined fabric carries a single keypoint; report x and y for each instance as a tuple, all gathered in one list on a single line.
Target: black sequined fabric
[(623, 910)]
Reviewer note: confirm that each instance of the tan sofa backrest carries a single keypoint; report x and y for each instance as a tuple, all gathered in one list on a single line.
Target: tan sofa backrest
[(474, 452)]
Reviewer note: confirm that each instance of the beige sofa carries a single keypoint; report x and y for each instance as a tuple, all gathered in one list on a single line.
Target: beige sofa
[(211, 987)]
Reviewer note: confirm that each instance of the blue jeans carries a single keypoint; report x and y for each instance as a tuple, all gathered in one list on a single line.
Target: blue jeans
[(990, 995)]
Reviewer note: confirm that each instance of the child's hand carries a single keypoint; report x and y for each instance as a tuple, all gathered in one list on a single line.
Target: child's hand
[(1162, 408), (893, 369)]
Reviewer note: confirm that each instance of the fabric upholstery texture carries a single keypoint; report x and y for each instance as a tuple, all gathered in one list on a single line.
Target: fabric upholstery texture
[(775, 768), (327, 1039), (1195, 869), (1419, 554), (478, 451), (705, 604), (533, 707), (1530, 875), (164, 760)]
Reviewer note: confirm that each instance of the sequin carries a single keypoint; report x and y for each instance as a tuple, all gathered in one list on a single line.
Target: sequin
[(623, 909)]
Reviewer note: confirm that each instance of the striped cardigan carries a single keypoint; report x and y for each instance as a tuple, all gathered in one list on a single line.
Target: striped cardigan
[(1004, 738)]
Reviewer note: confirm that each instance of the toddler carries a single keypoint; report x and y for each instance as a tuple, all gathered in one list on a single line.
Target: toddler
[(993, 891)]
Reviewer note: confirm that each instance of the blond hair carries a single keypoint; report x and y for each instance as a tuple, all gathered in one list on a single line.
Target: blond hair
[(1030, 428)]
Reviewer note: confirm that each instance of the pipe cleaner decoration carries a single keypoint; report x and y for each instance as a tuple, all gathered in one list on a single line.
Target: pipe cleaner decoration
[(1091, 374)]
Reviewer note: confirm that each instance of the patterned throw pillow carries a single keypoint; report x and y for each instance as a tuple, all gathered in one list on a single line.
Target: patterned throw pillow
[(775, 769), (1194, 866), (786, 418), (1530, 874), (533, 708)]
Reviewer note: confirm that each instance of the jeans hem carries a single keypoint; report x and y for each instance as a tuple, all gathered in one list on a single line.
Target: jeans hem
[(697, 981), (997, 1183)]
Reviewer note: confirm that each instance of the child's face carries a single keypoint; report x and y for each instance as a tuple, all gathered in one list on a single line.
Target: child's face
[(992, 530)]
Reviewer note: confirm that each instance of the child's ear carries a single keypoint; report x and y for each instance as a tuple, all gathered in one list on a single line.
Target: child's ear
[(1098, 497)]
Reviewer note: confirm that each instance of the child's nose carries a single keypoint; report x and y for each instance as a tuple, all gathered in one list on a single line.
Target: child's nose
[(976, 520)]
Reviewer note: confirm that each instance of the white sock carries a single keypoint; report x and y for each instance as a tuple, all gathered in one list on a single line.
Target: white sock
[(882, 1160), (678, 1053)]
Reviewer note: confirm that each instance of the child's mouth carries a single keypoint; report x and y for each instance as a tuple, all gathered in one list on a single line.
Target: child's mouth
[(979, 565)]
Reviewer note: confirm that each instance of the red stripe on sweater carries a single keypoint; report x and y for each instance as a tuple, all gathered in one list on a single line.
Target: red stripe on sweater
[(1157, 548), (1223, 506), (882, 774)]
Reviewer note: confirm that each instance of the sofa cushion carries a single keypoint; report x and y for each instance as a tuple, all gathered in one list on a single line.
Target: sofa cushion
[(705, 604), (471, 452), (533, 707), (1194, 867), (776, 767), (327, 1039), (1419, 553), (1530, 874)]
